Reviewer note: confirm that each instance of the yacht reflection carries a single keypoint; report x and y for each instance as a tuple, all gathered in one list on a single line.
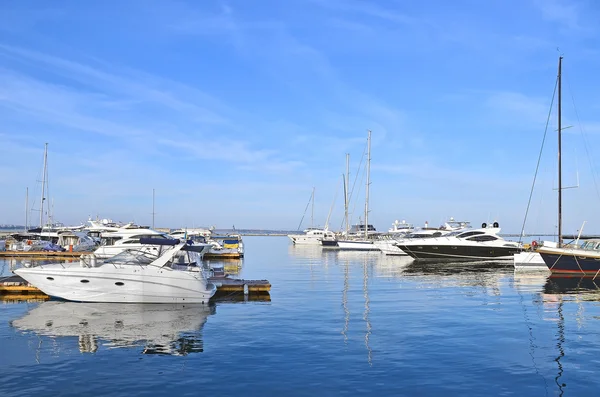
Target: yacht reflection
[(155, 328), (392, 265), (364, 259), (561, 290), (581, 288), (454, 268)]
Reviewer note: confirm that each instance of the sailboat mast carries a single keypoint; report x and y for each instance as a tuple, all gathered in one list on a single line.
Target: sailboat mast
[(559, 152), (312, 210), (347, 182), (26, 209), (367, 186), (43, 185), (152, 209)]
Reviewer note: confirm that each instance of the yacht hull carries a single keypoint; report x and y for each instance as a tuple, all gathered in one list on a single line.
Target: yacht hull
[(457, 252), (329, 243), (304, 240), (122, 284), (389, 247), (528, 260), (357, 245)]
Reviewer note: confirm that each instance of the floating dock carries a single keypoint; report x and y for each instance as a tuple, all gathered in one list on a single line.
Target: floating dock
[(17, 289), (42, 254), (209, 255), (71, 255)]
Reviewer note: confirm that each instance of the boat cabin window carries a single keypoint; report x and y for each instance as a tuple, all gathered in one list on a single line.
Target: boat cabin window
[(467, 234), (591, 245), (483, 238)]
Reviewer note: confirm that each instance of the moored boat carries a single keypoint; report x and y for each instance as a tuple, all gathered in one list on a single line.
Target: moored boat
[(166, 271)]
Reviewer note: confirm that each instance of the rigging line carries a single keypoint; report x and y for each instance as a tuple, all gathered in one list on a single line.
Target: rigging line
[(538, 161), (306, 209), (356, 177), (585, 142), (361, 179), (332, 205)]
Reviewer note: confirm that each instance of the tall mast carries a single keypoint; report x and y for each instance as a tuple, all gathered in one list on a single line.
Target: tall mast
[(152, 209), (43, 185), (559, 151), (312, 210), (347, 182), (368, 183), (26, 209)]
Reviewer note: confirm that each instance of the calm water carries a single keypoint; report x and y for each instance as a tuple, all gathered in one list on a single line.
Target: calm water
[(337, 323)]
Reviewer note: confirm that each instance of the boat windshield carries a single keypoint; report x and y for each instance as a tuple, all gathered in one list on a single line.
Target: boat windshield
[(593, 245), (133, 257)]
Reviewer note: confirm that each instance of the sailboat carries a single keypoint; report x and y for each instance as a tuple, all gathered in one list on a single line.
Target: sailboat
[(581, 260), (364, 243), (312, 235)]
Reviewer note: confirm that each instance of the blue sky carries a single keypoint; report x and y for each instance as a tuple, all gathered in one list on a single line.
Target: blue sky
[(234, 110)]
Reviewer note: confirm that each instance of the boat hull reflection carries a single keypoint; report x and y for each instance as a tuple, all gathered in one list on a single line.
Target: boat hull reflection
[(155, 328)]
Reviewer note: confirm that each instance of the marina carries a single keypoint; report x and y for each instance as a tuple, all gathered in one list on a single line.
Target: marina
[(299, 198)]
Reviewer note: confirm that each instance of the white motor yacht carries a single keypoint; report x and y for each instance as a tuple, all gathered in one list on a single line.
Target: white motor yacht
[(311, 236), (470, 244), (388, 244), (166, 271), (113, 243), (76, 241)]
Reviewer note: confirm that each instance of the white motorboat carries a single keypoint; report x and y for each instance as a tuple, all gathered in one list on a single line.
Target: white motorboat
[(387, 244), (113, 243), (76, 241), (530, 260), (469, 244), (152, 328), (165, 271), (311, 236)]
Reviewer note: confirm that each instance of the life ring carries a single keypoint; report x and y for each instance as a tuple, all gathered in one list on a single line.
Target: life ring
[(496, 224), (483, 225), (534, 244), (29, 242)]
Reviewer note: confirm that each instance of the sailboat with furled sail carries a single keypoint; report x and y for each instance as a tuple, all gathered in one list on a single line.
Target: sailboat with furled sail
[(362, 243), (582, 260)]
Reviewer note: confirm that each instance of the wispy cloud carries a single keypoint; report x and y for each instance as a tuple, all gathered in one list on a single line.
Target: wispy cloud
[(565, 13)]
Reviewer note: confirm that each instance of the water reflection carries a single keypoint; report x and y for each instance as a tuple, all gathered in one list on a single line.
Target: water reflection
[(579, 288), (392, 265), (229, 266), (155, 328), (559, 291)]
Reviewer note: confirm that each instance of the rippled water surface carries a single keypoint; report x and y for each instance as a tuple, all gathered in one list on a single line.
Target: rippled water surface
[(337, 323)]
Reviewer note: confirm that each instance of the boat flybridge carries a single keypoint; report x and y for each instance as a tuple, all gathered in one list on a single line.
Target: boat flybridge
[(464, 244), (171, 273)]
